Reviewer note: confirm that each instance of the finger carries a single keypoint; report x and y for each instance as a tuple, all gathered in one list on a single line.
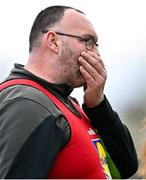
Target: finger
[(94, 62), (90, 69), (88, 78), (90, 81), (94, 55), (92, 66), (91, 76)]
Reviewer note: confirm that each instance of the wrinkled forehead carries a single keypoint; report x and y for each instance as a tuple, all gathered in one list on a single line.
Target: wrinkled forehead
[(76, 22)]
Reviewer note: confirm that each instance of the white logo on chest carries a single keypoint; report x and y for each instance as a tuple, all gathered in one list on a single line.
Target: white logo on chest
[(91, 132)]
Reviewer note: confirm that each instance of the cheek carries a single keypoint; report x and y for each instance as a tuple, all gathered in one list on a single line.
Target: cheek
[(77, 54), (77, 47)]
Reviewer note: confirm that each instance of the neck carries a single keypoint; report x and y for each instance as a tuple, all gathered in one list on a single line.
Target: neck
[(47, 69)]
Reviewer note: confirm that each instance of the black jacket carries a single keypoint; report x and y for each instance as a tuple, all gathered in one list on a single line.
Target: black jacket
[(31, 135)]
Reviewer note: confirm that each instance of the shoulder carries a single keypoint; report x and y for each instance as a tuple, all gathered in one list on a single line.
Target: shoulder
[(31, 95), (24, 107), (26, 112)]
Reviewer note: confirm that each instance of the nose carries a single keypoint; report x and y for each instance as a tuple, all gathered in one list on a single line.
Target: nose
[(95, 50), (98, 53)]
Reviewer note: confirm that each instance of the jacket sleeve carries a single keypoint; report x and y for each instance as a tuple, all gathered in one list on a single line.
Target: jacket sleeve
[(116, 137), (31, 137)]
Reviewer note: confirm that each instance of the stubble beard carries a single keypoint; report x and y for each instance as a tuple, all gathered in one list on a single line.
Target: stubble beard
[(69, 68)]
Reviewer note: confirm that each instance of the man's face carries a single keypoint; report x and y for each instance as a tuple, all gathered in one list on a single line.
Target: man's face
[(70, 66), (74, 23)]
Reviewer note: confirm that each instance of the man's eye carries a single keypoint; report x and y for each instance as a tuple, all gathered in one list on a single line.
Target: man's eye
[(85, 39), (88, 40)]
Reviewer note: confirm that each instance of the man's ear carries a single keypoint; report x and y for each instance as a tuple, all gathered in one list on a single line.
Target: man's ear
[(52, 41)]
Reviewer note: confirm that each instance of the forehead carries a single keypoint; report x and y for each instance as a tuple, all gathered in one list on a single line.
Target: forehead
[(77, 22)]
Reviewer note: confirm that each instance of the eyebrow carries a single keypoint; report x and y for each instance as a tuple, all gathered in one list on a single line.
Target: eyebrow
[(90, 36)]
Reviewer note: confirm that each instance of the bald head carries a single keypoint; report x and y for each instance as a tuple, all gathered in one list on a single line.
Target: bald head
[(46, 19), (75, 22)]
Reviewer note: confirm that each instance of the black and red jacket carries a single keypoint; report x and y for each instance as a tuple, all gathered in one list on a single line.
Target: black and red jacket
[(34, 132)]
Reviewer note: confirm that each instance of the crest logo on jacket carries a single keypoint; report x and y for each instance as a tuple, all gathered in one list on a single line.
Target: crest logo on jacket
[(102, 154)]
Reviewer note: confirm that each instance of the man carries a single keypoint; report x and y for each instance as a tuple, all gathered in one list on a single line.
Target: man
[(44, 133)]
